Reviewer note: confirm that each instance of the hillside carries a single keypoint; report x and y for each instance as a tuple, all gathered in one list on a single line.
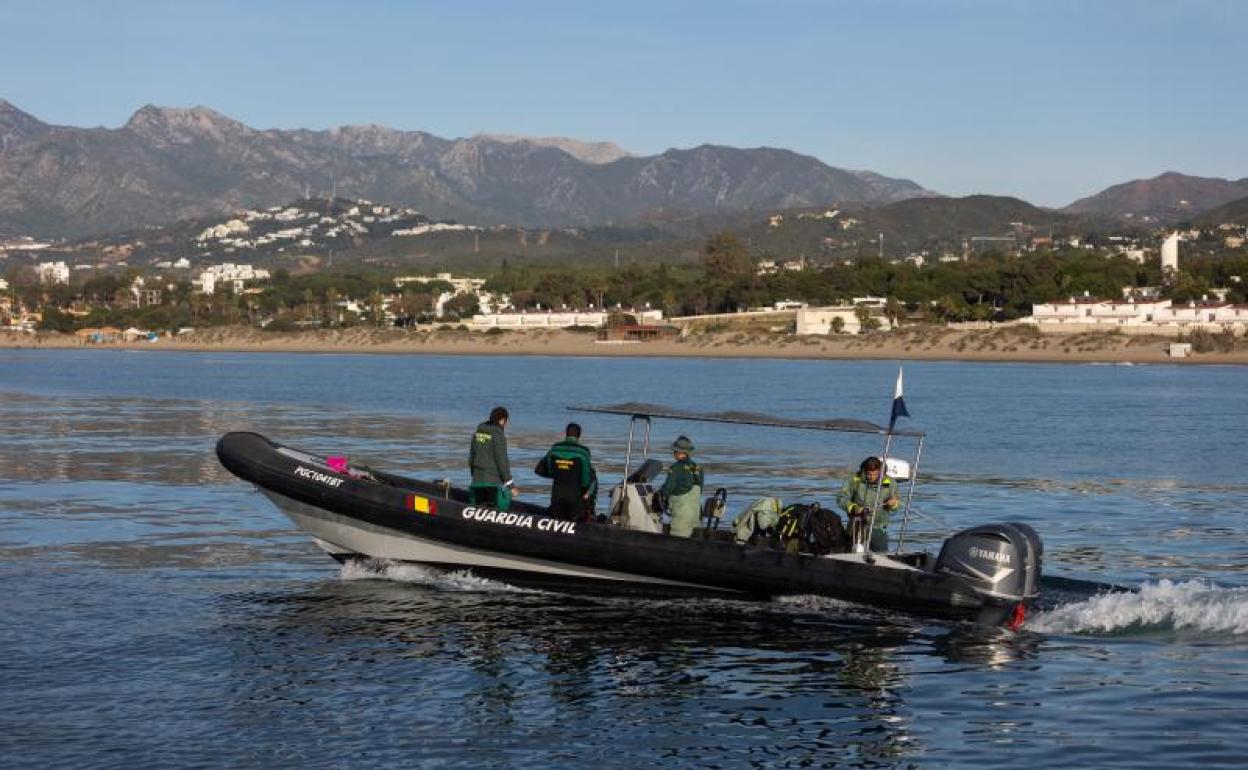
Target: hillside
[(166, 165), (1169, 197), (1235, 212), (311, 234), (936, 225)]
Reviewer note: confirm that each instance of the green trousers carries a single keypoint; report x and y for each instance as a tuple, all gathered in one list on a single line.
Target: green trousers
[(685, 510)]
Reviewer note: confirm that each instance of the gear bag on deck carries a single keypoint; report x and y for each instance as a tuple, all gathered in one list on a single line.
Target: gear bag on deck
[(759, 519), (811, 528)]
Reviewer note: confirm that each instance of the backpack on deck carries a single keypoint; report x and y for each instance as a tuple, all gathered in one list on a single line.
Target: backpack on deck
[(811, 528)]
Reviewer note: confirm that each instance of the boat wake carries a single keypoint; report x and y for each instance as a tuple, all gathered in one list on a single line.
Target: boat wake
[(431, 577), (1190, 606)]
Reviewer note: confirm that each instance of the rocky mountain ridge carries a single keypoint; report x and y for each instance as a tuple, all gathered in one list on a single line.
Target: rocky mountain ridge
[(589, 152), (168, 164)]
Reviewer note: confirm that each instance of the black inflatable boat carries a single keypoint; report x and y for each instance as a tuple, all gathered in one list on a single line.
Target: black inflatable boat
[(987, 574)]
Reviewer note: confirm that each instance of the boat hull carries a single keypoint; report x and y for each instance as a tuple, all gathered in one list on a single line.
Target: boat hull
[(344, 537), (407, 520)]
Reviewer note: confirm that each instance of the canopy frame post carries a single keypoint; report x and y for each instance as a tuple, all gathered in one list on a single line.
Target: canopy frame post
[(645, 446), (905, 518)]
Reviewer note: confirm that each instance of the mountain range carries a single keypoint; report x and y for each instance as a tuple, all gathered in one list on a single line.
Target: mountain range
[(169, 164), (1168, 197)]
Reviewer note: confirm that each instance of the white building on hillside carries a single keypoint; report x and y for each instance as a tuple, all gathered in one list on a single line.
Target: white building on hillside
[(52, 272), (434, 227), (225, 230)]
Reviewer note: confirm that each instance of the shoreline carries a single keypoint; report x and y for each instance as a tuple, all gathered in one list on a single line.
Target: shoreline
[(920, 344)]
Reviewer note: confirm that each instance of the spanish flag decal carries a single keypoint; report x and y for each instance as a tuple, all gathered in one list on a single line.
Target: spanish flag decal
[(421, 504)]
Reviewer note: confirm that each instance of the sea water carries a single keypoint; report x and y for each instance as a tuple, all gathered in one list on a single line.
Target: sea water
[(160, 613)]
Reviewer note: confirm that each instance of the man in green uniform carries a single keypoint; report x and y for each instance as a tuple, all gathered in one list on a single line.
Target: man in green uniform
[(575, 483), (683, 489), (863, 493), (487, 460)]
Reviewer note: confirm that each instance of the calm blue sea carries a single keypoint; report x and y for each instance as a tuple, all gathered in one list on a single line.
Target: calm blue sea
[(160, 613)]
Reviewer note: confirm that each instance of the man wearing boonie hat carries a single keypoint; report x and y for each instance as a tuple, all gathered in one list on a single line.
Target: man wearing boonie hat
[(683, 489)]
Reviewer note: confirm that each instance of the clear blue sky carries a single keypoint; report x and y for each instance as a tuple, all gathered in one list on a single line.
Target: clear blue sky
[(1048, 100)]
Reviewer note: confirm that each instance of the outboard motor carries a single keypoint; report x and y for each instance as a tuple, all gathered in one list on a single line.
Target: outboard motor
[(630, 501), (1000, 560)]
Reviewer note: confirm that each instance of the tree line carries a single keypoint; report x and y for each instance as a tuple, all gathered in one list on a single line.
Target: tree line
[(725, 278)]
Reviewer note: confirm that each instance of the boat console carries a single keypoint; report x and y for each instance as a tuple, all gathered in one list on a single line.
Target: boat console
[(630, 500)]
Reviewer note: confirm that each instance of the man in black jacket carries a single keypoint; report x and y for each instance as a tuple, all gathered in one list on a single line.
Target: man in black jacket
[(487, 460), (568, 464)]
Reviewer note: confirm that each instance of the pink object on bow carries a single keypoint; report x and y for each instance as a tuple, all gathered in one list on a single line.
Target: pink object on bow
[(337, 463)]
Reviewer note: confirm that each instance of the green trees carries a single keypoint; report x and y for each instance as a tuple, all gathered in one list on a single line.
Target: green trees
[(729, 275), (461, 307), (1188, 287), (865, 321), (56, 321), (894, 311), (724, 256)]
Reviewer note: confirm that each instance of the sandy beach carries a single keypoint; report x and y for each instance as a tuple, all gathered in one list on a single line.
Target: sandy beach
[(920, 343)]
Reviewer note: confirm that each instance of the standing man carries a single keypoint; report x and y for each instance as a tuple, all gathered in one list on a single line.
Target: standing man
[(568, 464), (863, 493), (487, 460), (683, 489)]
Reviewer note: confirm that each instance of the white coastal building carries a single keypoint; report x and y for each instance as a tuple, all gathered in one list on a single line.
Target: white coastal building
[(538, 320), (228, 272), (823, 320), (1139, 316), (487, 301), (458, 285), (558, 319)]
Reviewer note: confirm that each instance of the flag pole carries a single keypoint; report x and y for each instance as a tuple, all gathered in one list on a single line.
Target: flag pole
[(879, 485)]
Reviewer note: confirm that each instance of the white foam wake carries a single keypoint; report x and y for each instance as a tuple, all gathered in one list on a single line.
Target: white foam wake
[(442, 580), (1165, 605)]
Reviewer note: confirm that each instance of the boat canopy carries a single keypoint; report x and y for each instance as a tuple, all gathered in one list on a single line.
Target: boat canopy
[(633, 409)]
